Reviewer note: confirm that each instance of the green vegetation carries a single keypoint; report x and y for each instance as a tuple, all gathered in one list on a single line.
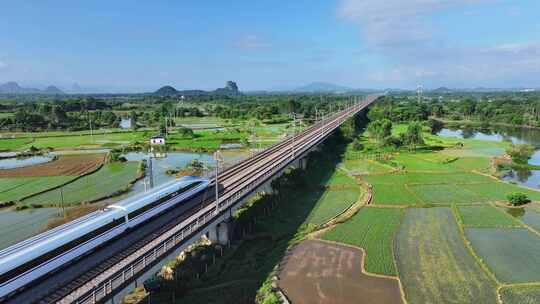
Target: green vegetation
[(364, 167), (332, 203), (520, 295), (520, 154), (433, 263), (372, 229), (485, 216), (517, 198), (111, 179), (512, 254), (17, 188)]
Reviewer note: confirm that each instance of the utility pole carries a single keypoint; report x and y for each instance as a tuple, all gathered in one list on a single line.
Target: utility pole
[(294, 132), (62, 201), (150, 172), (219, 159), (91, 132)]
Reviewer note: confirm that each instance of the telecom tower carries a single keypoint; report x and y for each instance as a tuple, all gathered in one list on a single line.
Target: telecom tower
[(420, 92)]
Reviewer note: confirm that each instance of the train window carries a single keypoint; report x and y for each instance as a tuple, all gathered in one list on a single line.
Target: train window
[(59, 250), (162, 200)]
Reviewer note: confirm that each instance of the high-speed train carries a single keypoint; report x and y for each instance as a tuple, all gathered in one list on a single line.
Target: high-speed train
[(33, 258)]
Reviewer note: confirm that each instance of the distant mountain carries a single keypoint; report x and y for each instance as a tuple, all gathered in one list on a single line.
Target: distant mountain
[(230, 89), (322, 87), (442, 90), (14, 88), (166, 91), (53, 90)]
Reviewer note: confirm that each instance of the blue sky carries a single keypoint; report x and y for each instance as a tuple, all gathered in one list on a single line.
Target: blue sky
[(140, 45)]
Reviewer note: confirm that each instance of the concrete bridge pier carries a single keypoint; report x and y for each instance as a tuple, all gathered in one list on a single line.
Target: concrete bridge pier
[(220, 234)]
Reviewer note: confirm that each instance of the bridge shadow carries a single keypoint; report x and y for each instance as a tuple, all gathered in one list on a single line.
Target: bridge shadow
[(262, 234)]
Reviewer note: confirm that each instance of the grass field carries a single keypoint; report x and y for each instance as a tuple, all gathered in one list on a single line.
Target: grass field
[(398, 194), (340, 178), (372, 229), (433, 263), (10, 144), (332, 203), (108, 180), (16, 188), (512, 254), (365, 166), (521, 295), (485, 216)]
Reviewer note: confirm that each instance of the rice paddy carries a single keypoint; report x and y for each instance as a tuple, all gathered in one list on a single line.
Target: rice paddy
[(372, 229)]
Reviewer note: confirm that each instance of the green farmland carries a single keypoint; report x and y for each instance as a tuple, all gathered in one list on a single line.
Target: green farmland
[(434, 264), (17, 188), (110, 179), (521, 295), (512, 254), (485, 217), (372, 229)]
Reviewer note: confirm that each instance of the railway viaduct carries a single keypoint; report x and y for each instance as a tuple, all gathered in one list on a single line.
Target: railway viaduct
[(108, 280)]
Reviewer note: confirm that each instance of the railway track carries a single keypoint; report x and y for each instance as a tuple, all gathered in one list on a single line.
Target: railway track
[(235, 179)]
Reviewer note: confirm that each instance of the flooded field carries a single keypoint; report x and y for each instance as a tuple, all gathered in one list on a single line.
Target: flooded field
[(320, 272), (11, 163)]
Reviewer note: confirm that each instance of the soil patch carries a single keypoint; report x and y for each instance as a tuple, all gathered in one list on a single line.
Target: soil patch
[(320, 272), (64, 165)]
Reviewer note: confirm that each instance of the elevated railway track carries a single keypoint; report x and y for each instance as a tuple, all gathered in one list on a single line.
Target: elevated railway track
[(98, 276)]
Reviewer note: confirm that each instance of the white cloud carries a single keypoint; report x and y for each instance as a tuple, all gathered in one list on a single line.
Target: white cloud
[(385, 23), (2, 64), (252, 42), (415, 50)]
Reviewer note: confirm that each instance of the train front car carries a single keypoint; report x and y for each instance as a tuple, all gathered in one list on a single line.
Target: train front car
[(31, 259)]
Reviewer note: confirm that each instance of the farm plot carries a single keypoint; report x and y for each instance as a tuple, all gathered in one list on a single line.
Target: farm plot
[(423, 162), (445, 194), (332, 203), (386, 194), (495, 190), (64, 165), (372, 229), (512, 254), (365, 166), (531, 218), (110, 179), (433, 263), (485, 216), (521, 295), (10, 144), (319, 272), (17, 188), (339, 178)]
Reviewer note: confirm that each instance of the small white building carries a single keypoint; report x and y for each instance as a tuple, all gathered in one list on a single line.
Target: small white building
[(157, 140)]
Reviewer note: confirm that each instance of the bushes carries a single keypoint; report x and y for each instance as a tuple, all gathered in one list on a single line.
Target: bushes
[(520, 153), (517, 199)]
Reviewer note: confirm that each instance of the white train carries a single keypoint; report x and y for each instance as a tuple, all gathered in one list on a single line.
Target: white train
[(33, 258)]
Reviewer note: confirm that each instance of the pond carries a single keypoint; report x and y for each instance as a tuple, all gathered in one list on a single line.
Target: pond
[(516, 135), (10, 163), (125, 123)]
